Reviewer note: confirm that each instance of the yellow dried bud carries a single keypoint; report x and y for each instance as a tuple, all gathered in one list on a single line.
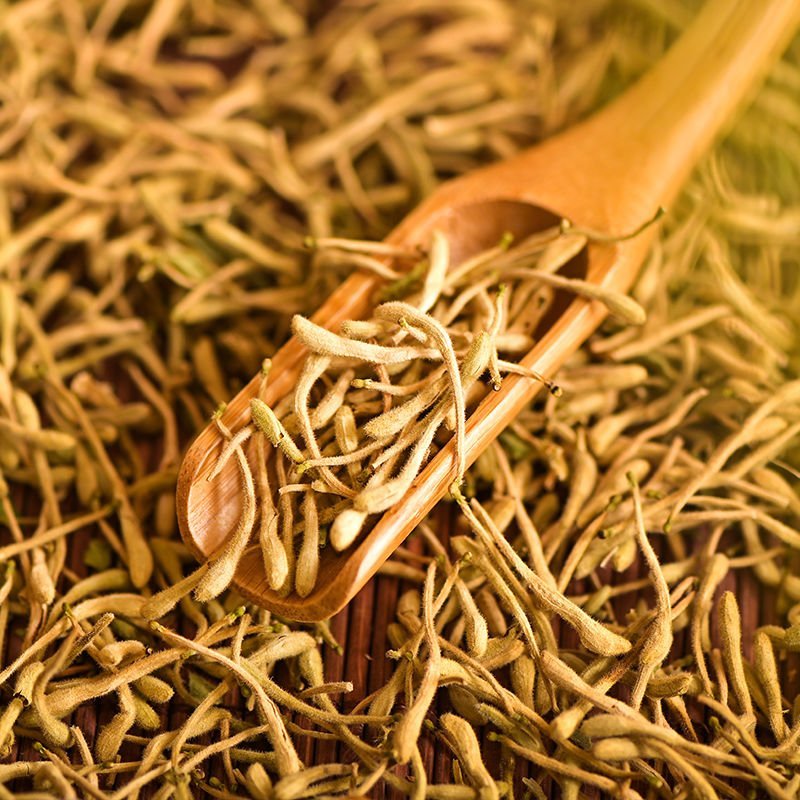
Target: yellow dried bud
[(346, 527), (266, 421)]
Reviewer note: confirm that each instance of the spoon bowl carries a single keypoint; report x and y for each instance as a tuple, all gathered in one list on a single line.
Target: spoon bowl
[(610, 173)]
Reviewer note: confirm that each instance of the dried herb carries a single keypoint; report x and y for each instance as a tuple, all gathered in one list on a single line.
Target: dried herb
[(181, 185)]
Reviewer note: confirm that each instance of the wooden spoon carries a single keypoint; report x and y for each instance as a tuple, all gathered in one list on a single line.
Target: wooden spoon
[(609, 173)]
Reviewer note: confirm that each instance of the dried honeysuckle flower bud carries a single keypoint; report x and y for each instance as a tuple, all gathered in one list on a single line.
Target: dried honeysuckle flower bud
[(292, 786), (393, 421), (495, 327), (438, 264), (523, 678), (385, 698), (516, 726), (87, 484), (381, 496), (6, 391), (26, 680), (476, 629), (582, 482), (593, 635), (346, 433), (361, 246), (154, 689), (622, 306), (406, 732), (324, 342), (492, 612), (313, 369), (55, 731), (465, 704), (41, 438), (658, 636), (730, 625), (346, 528), (286, 518), (619, 749), (273, 551), (397, 311), (715, 571), (258, 782), (204, 718), (307, 565), (567, 226), (514, 343), (476, 360), (146, 716), (23, 697), (408, 610), (767, 672), (265, 420), (276, 563), (9, 315), (363, 329), (41, 582), (164, 601), (332, 400), (283, 646), (460, 735), (114, 653)]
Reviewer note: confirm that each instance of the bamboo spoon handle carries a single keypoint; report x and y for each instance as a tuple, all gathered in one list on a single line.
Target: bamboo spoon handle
[(683, 102), (613, 170), (670, 117)]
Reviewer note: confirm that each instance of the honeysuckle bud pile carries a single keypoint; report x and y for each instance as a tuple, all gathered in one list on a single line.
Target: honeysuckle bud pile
[(607, 605), (374, 400)]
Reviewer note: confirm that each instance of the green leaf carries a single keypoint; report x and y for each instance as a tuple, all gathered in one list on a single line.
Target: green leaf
[(517, 449), (98, 555), (198, 685)]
